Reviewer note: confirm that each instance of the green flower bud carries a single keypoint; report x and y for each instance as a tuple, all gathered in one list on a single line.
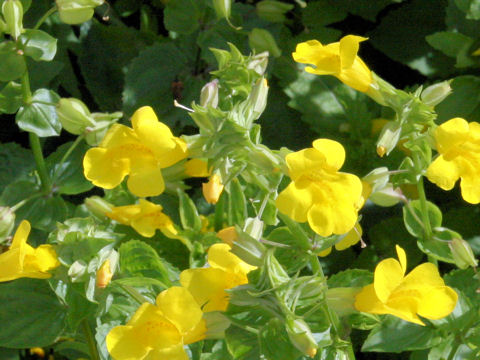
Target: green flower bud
[(262, 40), (387, 196), (98, 206), (77, 11), (209, 94), (259, 63), (77, 271), (388, 138), (436, 93), (462, 253), (256, 102), (7, 222), (12, 11), (273, 11), (74, 115), (301, 336), (254, 227), (102, 122), (223, 8)]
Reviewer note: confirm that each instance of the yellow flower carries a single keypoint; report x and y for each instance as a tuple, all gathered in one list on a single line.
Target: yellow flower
[(159, 331), (352, 237), (196, 168), (213, 189), (327, 199), (208, 285), (338, 59), (139, 152), (21, 260), (104, 275), (458, 145), (145, 218), (228, 235), (421, 292)]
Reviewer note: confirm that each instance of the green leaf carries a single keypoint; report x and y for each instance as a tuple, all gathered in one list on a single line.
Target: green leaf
[(241, 344), (292, 257), (351, 278), (237, 205), (183, 16), (10, 98), (188, 212), (464, 100), (16, 162), (13, 64), (33, 313), (79, 307), (105, 53), (396, 335), (470, 7), (9, 354), (68, 176), (413, 221), (39, 45), (140, 259), (38, 117), (449, 42), (275, 343)]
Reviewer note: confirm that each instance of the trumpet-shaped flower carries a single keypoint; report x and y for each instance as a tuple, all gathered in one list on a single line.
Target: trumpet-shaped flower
[(159, 331), (212, 189), (421, 292), (338, 59), (140, 152), (208, 285), (22, 260), (327, 199), (458, 145), (145, 218)]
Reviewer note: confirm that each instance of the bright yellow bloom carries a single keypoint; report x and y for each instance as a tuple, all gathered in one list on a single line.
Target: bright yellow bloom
[(213, 189), (208, 285), (145, 217), (159, 331), (104, 275), (22, 260), (327, 199), (228, 235), (421, 292), (458, 145), (197, 168), (338, 59), (352, 237), (139, 152)]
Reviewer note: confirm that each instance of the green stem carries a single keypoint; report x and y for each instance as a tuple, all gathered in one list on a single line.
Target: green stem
[(92, 346), (423, 200), (44, 17), (26, 92), (65, 157), (40, 162)]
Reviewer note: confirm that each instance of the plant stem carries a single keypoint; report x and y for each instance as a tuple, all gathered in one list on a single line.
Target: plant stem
[(26, 92), (40, 162), (44, 17), (92, 346), (423, 200), (134, 294)]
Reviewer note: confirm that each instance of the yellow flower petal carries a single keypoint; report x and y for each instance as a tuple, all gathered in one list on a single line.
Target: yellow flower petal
[(470, 186), (123, 344), (443, 173), (352, 237), (213, 189), (228, 235), (21, 235), (368, 301), (196, 334), (220, 257), (349, 46), (437, 302), (11, 265), (197, 168), (303, 162), (332, 151), (450, 134), (402, 257), (103, 170), (296, 202), (388, 275), (118, 135), (175, 352), (145, 178)]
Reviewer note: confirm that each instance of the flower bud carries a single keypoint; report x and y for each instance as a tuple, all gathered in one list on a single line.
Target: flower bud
[(223, 8), (228, 235), (76, 11), (387, 196), (262, 40), (74, 115), (98, 206), (259, 63), (248, 249), (462, 253), (256, 101), (209, 94), (388, 138), (12, 11), (77, 271), (104, 275), (213, 189), (7, 222), (301, 336), (273, 11), (436, 93), (254, 227)]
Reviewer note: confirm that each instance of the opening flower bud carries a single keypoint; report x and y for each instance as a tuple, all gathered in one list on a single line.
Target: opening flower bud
[(462, 253), (12, 11), (104, 275), (388, 138), (228, 235), (209, 94), (213, 189), (436, 93), (301, 336), (7, 222), (74, 115), (77, 11)]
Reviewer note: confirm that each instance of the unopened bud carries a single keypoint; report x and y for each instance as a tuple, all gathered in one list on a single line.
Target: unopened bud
[(213, 189), (104, 275), (12, 11), (262, 40), (301, 336), (257, 100), (436, 93), (388, 138), (7, 222), (462, 253), (98, 206), (223, 8), (259, 63), (228, 235), (209, 94), (273, 11), (254, 227), (77, 11), (74, 115)]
